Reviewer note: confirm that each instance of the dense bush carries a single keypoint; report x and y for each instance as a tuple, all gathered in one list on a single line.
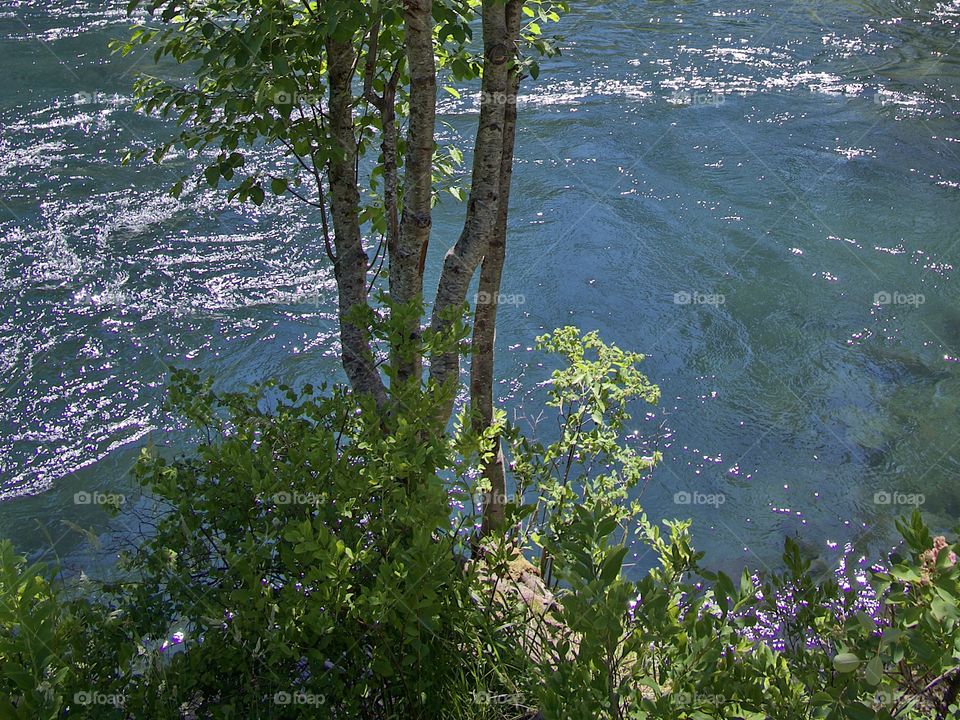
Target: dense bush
[(317, 558)]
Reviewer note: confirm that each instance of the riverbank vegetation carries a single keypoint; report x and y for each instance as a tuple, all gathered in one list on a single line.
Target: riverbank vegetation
[(337, 551), (345, 93), (317, 557)]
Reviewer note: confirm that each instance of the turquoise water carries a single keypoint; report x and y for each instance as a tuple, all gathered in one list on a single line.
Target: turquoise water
[(735, 188)]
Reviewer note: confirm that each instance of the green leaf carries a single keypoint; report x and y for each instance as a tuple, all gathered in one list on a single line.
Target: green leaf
[(606, 526), (822, 698), (846, 662), (612, 565), (859, 711), (212, 174), (382, 666), (941, 610), (874, 671)]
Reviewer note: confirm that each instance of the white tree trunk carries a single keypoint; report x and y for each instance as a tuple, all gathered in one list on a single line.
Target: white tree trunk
[(462, 259), (350, 263)]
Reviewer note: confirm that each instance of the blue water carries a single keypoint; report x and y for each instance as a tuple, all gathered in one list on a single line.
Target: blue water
[(775, 164)]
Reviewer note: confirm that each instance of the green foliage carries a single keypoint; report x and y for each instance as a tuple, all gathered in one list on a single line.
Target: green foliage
[(313, 554), (315, 557), (33, 639), (252, 74), (848, 663), (59, 646)]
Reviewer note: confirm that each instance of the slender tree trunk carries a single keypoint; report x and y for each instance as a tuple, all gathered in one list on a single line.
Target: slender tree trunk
[(485, 315), (388, 147), (462, 259), (350, 264), (387, 109), (406, 260)]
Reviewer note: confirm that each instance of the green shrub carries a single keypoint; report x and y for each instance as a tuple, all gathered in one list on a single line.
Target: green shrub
[(33, 641), (310, 558), (314, 557)]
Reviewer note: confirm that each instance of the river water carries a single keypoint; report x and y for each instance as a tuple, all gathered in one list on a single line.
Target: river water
[(763, 197)]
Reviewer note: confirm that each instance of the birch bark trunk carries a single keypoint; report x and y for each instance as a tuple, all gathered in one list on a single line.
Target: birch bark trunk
[(407, 260), (462, 259), (485, 315), (350, 263)]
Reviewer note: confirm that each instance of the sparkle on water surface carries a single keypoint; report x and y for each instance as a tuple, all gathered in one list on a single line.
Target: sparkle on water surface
[(775, 166)]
